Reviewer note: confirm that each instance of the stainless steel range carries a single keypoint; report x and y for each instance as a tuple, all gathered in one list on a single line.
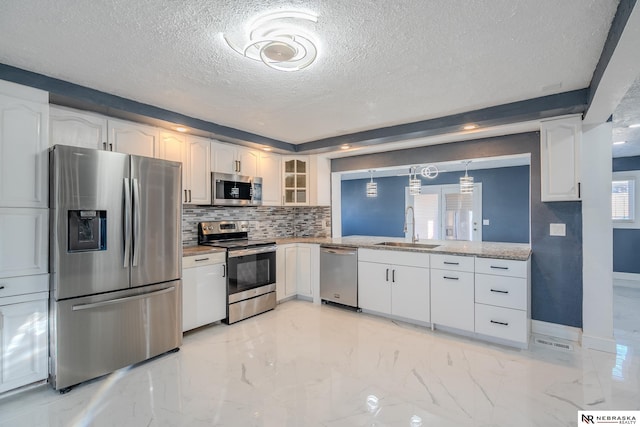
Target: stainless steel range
[(251, 267)]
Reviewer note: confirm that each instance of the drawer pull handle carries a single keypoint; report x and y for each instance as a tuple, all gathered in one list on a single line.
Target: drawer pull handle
[(1, 287), (450, 278), (500, 323), (202, 259), (387, 279), (499, 291), (224, 270), (451, 263), (497, 267)]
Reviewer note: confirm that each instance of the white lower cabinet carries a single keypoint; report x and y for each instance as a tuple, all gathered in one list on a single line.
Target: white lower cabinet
[(204, 290), (394, 283), (452, 291), (297, 270), (23, 339), (502, 302)]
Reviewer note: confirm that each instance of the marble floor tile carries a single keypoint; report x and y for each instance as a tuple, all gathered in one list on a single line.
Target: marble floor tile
[(311, 365)]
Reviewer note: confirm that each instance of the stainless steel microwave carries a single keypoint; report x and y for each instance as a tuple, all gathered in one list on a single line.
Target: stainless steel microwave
[(235, 190)]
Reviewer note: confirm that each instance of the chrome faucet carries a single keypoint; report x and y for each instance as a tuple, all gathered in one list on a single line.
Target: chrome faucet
[(414, 238)]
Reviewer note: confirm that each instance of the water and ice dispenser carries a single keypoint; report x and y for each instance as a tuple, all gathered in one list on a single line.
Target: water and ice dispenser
[(87, 230)]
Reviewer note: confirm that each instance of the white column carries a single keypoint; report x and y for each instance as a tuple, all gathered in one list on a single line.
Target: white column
[(336, 204), (597, 239)]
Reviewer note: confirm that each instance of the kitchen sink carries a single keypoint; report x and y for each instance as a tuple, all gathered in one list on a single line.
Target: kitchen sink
[(408, 245)]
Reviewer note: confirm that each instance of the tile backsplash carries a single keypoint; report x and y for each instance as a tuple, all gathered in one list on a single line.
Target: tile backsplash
[(264, 221)]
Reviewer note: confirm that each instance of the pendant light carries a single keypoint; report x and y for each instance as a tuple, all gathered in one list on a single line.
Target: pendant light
[(372, 187), (415, 184), (466, 181)]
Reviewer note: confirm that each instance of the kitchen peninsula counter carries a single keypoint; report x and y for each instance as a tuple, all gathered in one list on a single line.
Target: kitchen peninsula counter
[(498, 250)]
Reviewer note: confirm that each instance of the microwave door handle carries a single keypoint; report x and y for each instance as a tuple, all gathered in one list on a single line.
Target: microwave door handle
[(136, 222), (127, 222)]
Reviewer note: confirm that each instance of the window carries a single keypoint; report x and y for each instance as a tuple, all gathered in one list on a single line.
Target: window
[(622, 200)]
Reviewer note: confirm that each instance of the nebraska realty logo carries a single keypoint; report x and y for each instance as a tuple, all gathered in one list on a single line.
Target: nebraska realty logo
[(608, 417)]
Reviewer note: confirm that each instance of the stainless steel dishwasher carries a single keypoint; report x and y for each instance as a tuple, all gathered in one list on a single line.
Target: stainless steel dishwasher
[(339, 275)]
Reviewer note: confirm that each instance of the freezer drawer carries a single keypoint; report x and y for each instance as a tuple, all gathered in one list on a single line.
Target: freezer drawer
[(339, 275), (93, 336)]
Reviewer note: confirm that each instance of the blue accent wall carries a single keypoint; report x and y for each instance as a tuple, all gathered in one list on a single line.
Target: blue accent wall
[(626, 241), (375, 216), (505, 203)]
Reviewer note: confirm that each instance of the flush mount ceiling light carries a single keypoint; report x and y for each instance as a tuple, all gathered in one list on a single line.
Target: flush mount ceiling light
[(429, 171), (619, 142), (635, 125), (466, 181), (470, 127), (372, 187), (279, 44)]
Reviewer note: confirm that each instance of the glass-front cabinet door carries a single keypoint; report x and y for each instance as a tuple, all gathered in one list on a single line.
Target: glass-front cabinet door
[(296, 181)]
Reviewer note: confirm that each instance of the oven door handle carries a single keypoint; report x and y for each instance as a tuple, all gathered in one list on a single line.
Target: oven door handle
[(251, 251)]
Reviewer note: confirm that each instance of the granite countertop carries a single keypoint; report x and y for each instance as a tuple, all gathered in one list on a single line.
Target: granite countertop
[(513, 251), (200, 250)]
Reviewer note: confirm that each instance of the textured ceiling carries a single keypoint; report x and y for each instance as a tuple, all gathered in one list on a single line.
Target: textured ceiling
[(380, 63)]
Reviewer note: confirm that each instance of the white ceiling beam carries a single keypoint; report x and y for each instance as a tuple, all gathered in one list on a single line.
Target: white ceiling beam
[(621, 71)]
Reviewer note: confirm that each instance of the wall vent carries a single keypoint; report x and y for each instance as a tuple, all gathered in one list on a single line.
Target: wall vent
[(554, 344)]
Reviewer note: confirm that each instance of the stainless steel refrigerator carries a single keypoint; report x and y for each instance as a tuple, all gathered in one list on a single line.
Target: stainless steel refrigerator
[(115, 262), (458, 217)]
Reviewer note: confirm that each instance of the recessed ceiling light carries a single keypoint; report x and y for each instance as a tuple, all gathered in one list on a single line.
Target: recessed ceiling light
[(470, 127), (181, 129), (345, 146), (635, 125), (619, 142)]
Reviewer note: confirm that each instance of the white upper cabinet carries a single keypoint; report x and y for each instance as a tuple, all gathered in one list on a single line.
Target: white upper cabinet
[(76, 128), (296, 180), (132, 138), (306, 180), (233, 159), (560, 146), (199, 170), (173, 146), (320, 181), (269, 169), (194, 153), (24, 140)]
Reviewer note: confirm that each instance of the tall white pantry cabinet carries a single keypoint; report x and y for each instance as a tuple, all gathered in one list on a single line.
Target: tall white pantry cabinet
[(24, 230)]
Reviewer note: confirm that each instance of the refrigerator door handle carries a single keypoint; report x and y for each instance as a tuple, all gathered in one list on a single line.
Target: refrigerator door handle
[(127, 223), (120, 300), (136, 222)]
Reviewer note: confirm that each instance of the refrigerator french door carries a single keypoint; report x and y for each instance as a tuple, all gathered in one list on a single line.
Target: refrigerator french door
[(115, 261)]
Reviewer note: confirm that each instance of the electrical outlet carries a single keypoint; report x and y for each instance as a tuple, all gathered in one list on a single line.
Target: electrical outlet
[(485, 222), (558, 230)]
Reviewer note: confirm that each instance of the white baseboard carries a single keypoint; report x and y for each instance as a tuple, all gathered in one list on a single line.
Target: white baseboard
[(599, 343), (556, 330), (628, 280)]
